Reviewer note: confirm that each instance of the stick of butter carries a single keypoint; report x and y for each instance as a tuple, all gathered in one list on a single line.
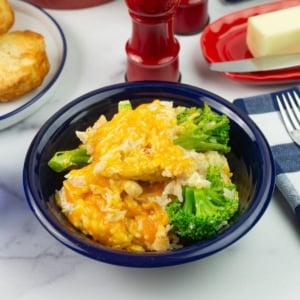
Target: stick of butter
[(274, 33)]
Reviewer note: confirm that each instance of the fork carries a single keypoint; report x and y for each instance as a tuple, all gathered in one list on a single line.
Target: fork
[(289, 106)]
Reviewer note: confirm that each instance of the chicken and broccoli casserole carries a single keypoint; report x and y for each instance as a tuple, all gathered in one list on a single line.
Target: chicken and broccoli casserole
[(149, 179)]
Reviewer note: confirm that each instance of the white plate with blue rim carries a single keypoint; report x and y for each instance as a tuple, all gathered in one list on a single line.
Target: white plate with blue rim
[(31, 17)]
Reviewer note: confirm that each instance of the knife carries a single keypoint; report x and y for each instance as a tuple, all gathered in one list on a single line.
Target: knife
[(258, 64)]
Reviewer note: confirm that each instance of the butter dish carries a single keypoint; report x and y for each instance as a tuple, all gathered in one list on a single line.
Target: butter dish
[(225, 40)]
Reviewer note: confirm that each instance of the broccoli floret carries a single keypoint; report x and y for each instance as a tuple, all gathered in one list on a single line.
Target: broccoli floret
[(215, 178), (124, 105), (69, 159), (204, 211), (203, 130), (76, 158)]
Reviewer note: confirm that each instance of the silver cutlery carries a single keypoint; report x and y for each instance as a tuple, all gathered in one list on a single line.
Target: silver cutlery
[(258, 64), (289, 106)]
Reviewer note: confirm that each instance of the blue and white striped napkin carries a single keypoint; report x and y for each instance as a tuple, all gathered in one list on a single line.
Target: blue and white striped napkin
[(264, 112)]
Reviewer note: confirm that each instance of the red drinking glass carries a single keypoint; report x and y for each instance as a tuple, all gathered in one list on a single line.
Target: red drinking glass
[(191, 16)]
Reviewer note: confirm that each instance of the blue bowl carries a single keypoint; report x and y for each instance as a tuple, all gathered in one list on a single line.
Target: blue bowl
[(250, 159)]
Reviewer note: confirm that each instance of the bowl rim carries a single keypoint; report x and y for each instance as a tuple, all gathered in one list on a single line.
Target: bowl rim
[(10, 118), (170, 258)]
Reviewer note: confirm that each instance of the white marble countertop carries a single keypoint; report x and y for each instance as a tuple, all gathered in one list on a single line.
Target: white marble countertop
[(264, 264)]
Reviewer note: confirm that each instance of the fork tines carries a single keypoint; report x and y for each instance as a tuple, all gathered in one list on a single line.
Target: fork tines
[(289, 107)]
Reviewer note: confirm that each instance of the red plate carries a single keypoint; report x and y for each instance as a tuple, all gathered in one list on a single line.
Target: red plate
[(225, 40)]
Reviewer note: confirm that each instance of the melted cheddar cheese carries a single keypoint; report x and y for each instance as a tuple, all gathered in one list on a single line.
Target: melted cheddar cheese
[(135, 170)]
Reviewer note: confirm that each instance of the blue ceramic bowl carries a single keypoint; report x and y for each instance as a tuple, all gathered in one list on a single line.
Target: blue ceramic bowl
[(251, 162)]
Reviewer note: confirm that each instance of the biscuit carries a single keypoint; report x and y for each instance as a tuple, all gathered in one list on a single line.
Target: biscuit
[(7, 16), (23, 63)]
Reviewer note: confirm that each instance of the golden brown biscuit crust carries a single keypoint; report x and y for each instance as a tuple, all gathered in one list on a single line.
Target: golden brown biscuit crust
[(23, 63), (7, 16)]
